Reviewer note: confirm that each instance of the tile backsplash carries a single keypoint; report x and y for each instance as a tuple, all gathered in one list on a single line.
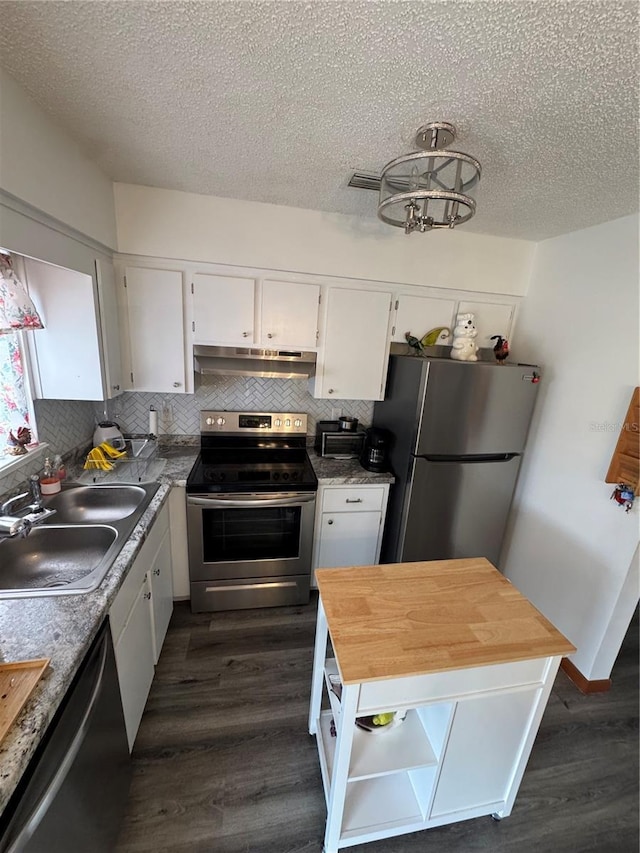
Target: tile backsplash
[(65, 425), (179, 414)]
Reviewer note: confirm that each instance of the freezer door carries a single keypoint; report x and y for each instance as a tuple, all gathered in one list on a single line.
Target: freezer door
[(457, 509), (475, 408)]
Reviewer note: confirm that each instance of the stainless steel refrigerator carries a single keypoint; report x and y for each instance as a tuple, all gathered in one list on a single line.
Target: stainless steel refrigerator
[(458, 434)]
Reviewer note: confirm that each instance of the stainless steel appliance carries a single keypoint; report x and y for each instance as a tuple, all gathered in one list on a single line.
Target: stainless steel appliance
[(74, 792), (253, 361), (337, 443), (459, 430), (250, 510)]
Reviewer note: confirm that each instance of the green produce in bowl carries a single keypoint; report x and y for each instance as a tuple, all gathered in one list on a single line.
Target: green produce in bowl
[(383, 719)]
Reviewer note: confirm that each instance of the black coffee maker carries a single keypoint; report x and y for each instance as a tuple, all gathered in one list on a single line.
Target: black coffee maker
[(375, 453)]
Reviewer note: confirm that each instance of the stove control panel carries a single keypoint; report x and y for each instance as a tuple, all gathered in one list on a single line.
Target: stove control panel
[(253, 423)]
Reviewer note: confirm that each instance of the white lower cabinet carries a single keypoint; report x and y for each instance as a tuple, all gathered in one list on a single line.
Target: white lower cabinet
[(348, 526), (139, 617), (135, 660)]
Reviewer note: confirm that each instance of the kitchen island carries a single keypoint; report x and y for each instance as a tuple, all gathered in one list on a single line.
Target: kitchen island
[(467, 665)]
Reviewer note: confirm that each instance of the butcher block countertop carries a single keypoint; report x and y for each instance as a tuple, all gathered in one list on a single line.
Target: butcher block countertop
[(405, 619)]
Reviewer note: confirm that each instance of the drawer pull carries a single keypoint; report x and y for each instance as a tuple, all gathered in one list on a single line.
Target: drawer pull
[(330, 521), (245, 586), (353, 500)]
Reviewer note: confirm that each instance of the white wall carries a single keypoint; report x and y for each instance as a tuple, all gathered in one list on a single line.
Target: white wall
[(570, 549), (42, 165), (171, 224)]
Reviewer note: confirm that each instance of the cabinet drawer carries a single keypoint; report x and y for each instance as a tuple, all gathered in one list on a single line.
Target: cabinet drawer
[(352, 498)]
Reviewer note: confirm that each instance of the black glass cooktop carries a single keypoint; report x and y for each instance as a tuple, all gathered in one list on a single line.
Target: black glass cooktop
[(252, 470)]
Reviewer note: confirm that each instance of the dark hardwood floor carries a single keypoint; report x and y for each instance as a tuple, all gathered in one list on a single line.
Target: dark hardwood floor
[(223, 762)]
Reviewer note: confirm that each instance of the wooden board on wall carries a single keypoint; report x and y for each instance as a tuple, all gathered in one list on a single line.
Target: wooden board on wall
[(625, 462)]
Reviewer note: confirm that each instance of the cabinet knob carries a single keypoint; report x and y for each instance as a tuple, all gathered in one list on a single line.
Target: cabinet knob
[(269, 335), (330, 391), (330, 521), (245, 334), (177, 384), (147, 595), (115, 387), (156, 572)]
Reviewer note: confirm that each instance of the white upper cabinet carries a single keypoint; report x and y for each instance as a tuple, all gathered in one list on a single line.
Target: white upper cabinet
[(154, 307), (223, 310), (491, 318), (354, 352), (289, 314), (66, 355), (109, 324), (420, 314), (229, 310)]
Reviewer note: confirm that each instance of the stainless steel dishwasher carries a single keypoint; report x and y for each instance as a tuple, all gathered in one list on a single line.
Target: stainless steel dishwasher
[(73, 794)]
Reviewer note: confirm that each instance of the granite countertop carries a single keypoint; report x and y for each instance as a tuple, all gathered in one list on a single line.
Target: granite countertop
[(63, 627), (339, 472)]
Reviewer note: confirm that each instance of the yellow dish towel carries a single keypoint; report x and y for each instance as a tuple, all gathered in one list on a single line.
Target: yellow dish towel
[(110, 451), (96, 459)]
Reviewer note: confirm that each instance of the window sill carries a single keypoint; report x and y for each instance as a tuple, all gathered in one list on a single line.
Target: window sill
[(9, 464)]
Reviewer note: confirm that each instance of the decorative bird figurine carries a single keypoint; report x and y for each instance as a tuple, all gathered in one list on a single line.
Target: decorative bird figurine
[(19, 441), (413, 342), (435, 336), (501, 348)]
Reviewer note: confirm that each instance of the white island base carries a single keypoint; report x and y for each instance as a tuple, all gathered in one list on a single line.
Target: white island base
[(462, 749)]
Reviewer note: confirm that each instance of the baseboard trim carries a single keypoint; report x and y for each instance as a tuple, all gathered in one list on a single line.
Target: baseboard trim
[(583, 684)]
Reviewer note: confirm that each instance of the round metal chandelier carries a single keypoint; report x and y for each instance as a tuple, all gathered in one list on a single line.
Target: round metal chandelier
[(429, 188)]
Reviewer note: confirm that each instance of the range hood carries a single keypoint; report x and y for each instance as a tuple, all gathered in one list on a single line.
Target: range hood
[(252, 361)]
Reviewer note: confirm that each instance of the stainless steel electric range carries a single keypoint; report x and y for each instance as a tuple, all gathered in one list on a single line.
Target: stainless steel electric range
[(250, 508)]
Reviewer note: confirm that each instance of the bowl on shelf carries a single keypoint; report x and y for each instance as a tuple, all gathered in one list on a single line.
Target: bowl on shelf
[(374, 726)]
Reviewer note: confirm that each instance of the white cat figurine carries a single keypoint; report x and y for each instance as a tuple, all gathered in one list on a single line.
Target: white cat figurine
[(464, 347)]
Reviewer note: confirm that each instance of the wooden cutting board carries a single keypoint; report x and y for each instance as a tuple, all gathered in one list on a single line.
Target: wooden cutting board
[(17, 681)]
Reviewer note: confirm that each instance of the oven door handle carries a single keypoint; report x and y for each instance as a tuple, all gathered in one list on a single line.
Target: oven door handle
[(243, 502)]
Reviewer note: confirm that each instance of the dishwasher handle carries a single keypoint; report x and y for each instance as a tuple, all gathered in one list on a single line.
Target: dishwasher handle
[(42, 804), (237, 501)]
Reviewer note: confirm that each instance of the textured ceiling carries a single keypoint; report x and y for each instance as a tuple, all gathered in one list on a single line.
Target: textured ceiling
[(282, 101)]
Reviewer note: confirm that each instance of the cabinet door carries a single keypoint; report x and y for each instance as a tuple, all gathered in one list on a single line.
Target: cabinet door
[(355, 351), (289, 314), (109, 324), (156, 329), (484, 746), (348, 539), (161, 594), (134, 661), (492, 318), (223, 309), (420, 314), (67, 351)]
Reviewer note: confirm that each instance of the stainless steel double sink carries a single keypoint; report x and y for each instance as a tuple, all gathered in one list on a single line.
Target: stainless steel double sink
[(72, 551)]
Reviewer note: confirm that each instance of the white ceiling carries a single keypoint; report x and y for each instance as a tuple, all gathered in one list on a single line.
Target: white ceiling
[(282, 101)]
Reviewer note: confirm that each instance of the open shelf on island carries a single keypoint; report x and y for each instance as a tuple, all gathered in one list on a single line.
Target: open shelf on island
[(374, 804)]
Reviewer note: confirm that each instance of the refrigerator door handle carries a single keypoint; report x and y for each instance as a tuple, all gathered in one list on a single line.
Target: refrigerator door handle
[(468, 457)]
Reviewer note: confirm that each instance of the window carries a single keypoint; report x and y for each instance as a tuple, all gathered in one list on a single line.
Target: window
[(15, 402)]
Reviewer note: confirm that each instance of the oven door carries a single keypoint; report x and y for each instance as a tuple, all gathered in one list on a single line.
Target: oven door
[(238, 536)]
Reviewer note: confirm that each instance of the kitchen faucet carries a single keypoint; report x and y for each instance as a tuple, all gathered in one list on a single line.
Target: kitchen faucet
[(34, 492), (21, 524)]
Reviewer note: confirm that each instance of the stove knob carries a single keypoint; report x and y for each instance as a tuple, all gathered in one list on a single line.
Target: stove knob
[(275, 475), (220, 421), (222, 476), (209, 421), (295, 475), (297, 422), (287, 422), (277, 422), (285, 476)]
